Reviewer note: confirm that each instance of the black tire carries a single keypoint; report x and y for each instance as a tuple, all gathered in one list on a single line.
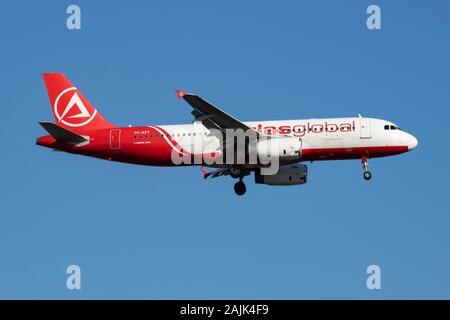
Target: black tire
[(367, 175), (235, 172), (240, 188)]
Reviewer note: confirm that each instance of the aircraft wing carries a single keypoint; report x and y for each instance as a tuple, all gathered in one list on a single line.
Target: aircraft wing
[(211, 116)]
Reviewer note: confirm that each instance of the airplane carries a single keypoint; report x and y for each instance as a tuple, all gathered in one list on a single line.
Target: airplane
[(80, 129)]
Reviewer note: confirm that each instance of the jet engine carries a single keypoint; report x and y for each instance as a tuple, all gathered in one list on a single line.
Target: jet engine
[(286, 176)]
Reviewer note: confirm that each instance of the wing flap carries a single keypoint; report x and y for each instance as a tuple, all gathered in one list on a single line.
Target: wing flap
[(216, 173)]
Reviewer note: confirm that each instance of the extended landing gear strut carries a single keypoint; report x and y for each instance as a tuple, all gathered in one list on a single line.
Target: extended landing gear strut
[(238, 173), (365, 164)]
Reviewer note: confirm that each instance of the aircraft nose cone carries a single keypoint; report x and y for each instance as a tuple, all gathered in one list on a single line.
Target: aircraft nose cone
[(412, 142)]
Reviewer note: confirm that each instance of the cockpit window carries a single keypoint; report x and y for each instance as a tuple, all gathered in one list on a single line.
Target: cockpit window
[(391, 127)]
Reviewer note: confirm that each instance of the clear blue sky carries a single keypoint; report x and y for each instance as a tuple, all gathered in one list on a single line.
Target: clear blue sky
[(144, 232)]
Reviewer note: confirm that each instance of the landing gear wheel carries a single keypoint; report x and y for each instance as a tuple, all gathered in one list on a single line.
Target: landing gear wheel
[(240, 188), (365, 164), (235, 172)]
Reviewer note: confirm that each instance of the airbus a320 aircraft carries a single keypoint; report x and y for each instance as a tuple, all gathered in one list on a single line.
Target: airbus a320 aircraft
[(80, 129)]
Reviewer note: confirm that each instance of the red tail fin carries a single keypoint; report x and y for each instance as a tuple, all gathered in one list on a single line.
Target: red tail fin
[(70, 108)]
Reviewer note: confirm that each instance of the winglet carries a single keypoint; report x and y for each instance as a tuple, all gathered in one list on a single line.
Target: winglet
[(180, 93)]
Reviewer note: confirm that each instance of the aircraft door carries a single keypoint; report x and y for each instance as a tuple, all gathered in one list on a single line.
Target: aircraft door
[(114, 139), (364, 128)]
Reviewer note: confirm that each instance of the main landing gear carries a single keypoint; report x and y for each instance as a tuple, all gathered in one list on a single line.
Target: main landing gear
[(240, 187), (235, 172), (365, 164), (238, 173)]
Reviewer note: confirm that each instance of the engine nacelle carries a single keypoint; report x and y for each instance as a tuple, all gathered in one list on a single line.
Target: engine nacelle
[(284, 148), (287, 175)]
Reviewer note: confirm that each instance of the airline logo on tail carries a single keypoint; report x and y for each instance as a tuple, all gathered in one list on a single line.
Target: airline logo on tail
[(70, 109)]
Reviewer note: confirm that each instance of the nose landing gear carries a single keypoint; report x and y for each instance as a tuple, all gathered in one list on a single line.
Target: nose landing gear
[(365, 164), (367, 175)]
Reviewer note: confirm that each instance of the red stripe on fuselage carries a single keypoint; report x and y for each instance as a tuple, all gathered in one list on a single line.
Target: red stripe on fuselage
[(314, 154)]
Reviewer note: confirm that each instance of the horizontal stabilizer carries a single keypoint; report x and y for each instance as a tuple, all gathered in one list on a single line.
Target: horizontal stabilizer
[(61, 134)]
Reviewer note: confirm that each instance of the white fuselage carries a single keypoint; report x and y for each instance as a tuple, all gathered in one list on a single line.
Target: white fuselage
[(316, 134)]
